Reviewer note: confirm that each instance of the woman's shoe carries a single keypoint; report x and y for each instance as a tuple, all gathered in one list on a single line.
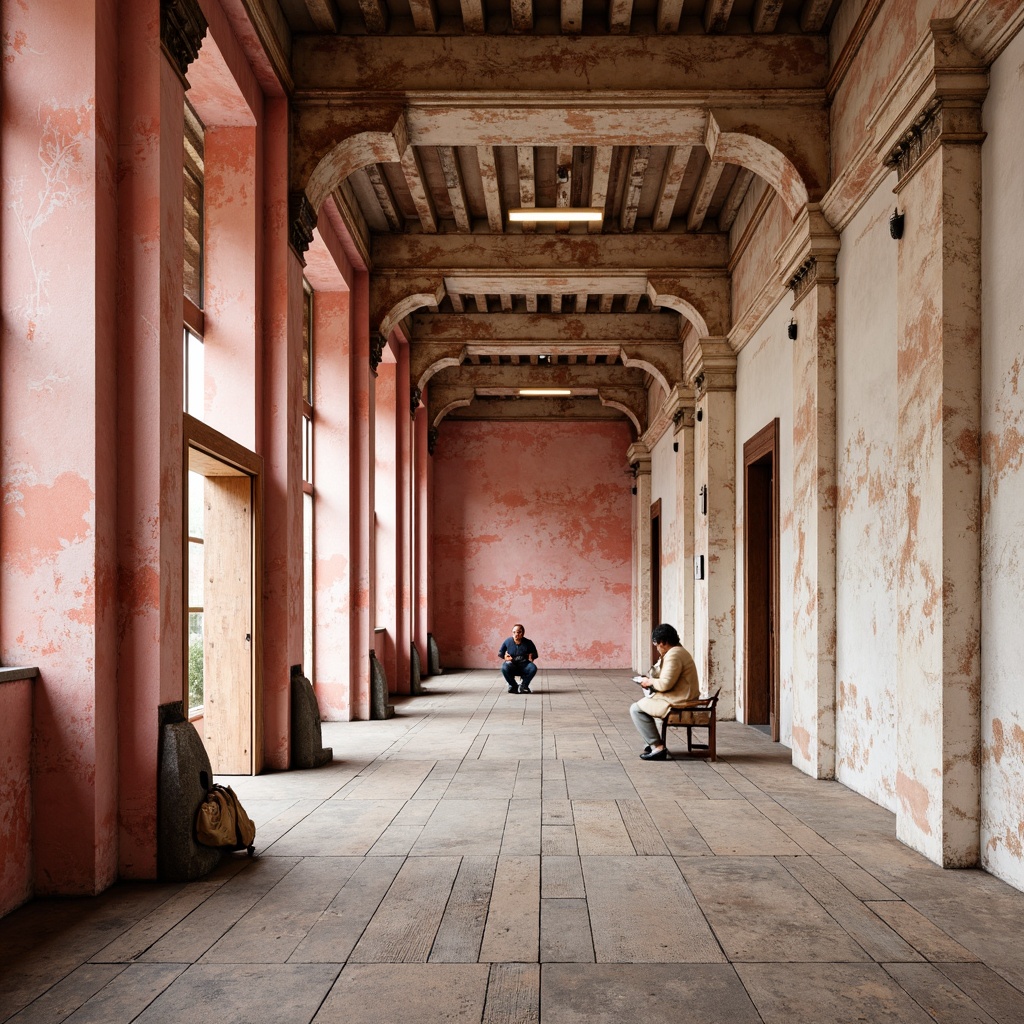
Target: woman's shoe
[(655, 755)]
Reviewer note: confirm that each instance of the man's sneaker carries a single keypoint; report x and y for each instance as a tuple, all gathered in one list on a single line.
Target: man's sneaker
[(513, 689), (525, 689)]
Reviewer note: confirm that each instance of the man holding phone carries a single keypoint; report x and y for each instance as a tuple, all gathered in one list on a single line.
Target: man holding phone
[(518, 654)]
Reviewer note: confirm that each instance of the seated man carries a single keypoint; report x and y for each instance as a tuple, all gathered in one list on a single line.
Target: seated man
[(518, 654)]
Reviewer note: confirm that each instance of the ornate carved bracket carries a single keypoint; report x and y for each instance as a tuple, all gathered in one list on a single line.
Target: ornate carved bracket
[(431, 440), (945, 119), (182, 28), (803, 280), (377, 344), (415, 397), (301, 221)]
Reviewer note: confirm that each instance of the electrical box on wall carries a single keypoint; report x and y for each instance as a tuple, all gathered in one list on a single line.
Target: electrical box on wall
[(698, 567)]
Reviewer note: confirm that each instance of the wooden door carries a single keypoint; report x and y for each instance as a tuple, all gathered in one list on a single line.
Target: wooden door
[(760, 575)]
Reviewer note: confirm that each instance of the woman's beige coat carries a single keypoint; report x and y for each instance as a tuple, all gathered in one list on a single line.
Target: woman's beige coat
[(674, 677)]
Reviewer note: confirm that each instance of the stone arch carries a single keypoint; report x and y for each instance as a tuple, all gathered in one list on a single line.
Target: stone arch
[(611, 403), (438, 364), (403, 307), (458, 403), (683, 307), (761, 157), (356, 151)]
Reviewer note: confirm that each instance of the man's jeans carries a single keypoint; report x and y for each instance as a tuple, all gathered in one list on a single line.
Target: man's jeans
[(526, 669)]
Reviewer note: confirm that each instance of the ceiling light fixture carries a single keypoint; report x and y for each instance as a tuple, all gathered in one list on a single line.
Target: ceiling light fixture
[(534, 392), (560, 214)]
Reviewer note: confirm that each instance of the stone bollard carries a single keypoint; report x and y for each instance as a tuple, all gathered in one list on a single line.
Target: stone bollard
[(433, 656), (308, 750), (415, 672), (379, 706)]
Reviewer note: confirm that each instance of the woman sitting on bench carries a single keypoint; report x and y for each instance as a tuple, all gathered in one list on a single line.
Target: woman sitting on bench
[(671, 681)]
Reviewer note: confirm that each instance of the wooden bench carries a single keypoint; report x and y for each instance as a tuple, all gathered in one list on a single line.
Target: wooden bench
[(696, 714)]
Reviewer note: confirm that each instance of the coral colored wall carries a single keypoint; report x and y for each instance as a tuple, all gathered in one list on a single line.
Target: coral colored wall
[(15, 795), (531, 524)]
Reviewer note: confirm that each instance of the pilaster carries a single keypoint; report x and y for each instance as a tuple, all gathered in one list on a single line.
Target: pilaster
[(639, 457), (711, 365), (683, 426), (938, 570), (809, 261)]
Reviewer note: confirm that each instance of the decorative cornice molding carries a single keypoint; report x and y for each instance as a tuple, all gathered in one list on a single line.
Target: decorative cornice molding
[(711, 365), (182, 29), (415, 397), (672, 409), (377, 345), (805, 277), (944, 120), (639, 457)]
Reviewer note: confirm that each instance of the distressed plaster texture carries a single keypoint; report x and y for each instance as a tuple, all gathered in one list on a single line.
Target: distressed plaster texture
[(939, 466), (532, 525), (1002, 495), (764, 390), (866, 515)]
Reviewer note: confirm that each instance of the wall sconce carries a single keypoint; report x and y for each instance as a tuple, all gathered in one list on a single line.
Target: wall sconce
[(896, 224), (675, 446), (633, 490), (704, 500), (791, 330), (700, 415)]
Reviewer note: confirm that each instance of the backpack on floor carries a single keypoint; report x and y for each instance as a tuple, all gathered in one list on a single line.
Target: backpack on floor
[(221, 821)]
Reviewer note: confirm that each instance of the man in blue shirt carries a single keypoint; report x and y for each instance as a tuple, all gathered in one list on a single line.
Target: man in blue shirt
[(518, 654)]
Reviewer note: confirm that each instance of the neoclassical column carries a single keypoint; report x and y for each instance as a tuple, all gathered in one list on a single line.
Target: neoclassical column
[(711, 365), (639, 456), (809, 259), (938, 563)]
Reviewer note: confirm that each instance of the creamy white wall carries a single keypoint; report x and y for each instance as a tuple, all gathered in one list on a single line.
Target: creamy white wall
[(1002, 640), (664, 482), (866, 516), (764, 390)]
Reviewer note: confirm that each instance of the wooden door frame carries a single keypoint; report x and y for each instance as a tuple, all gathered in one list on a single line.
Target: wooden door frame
[(206, 439), (656, 568), (764, 442)]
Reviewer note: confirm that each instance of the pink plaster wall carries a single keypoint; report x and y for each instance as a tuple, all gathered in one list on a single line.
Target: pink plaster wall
[(386, 507), (531, 523), (57, 508)]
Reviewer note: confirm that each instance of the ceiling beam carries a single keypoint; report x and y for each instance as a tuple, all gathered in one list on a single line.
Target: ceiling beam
[(375, 15), (671, 179), (385, 199), (733, 201), (620, 16), (527, 182), (544, 328), (522, 15), (473, 15), (456, 188), (424, 15), (766, 15), (324, 15), (492, 188), (814, 14), (412, 168), (572, 16), (716, 15), (599, 173), (702, 196), (708, 68), (669, 13), (638, 160)]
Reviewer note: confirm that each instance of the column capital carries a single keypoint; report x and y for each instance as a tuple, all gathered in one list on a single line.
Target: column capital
[(808, 255), (639, 456), (415, 398), (182, 29), (670, 412), (431, 440), (377, 345), (945, 120), (711, 365)]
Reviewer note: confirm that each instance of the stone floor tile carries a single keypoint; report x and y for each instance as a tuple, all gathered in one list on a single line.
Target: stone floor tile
[(877, 939), (1001, 1000), (58, 1002), (512, 932), (274, 927), (760, 913), (464, 828), (944, 1002), (678, 833), (396, 841), (558, 840), (930, 941), (522, 828), (242, 994), (127, 995), (336, 931), (643, 833), (393, 780), (561, 878), (828, 993), (188, 940), (556, 812), (604, 781), (513, 994), (863, 885), (338, 828), (641, 911), (424, 993), (565, 932), (600, 830), (462, 926), (735, 828), (403, 928), (644, 993)]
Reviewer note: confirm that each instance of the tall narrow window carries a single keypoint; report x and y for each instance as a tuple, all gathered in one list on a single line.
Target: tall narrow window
[(307, 477), (193, 270)]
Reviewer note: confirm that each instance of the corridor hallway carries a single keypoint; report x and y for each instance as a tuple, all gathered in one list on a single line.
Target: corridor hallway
[(497, 858)]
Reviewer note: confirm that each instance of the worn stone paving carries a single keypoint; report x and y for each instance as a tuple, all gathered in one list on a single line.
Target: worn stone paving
[(507, 859)]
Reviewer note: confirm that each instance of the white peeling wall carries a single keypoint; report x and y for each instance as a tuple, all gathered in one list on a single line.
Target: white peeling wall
[(866, 527), (664, 483), (1002, 499), (764, 391)]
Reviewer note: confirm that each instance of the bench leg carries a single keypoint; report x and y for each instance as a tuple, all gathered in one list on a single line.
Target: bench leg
[(711, 738)]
